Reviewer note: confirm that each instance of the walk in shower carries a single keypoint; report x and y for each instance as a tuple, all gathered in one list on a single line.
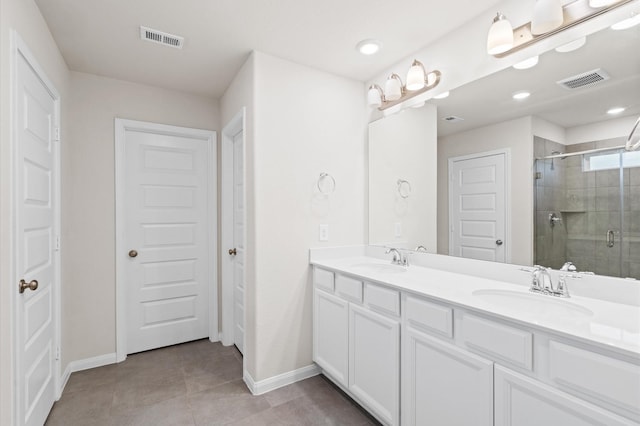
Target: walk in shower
[(587, 207)]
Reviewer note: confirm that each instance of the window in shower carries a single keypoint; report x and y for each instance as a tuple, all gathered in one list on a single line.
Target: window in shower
[(610, 160)]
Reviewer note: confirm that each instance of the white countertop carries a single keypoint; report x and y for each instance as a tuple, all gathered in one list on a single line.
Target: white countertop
[(614, 326)]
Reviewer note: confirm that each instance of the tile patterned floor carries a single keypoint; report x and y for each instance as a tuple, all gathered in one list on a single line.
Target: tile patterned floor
[(196, 383)]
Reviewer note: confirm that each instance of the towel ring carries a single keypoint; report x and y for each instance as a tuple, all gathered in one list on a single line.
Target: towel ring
[(328, 188), (404, 188)]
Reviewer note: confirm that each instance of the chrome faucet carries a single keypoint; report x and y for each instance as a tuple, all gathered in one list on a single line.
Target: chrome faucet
[(569, 267), (541, 282), (398, 257), (421, 248)]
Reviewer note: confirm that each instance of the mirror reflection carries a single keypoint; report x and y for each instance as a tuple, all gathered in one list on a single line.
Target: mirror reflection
[(507, 188)]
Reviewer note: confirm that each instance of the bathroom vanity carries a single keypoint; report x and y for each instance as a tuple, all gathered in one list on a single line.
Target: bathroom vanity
[(421, 345)]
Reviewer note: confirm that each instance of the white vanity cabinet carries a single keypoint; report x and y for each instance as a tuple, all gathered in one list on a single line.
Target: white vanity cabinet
[(356, 340), (523, 401)]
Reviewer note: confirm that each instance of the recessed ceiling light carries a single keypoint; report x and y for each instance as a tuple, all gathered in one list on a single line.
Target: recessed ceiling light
[(527, 63), (571, 46), (442, 95), (521, 95), (627, 23), (616, 110), (368, 47)]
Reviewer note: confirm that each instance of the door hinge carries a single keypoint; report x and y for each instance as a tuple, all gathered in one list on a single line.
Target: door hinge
[(56, 134), (58, 353), (57, 247)]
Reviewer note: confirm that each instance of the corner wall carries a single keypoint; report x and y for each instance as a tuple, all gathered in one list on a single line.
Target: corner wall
[(306, 122)]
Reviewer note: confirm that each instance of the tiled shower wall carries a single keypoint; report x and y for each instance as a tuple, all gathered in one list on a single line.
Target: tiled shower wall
[(589, 205)]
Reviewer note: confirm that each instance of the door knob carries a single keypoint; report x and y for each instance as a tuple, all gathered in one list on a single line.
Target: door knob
[(232, 252), (498, 242), (133, 253), (31, 285)]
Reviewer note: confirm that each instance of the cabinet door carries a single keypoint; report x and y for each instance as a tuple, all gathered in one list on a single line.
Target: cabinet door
[(523, 401), (443, 384), (331, 335), (374, 362)]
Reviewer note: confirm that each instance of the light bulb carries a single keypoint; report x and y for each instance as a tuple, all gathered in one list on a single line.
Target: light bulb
[(500, 38), (415, 76), (547, 16)]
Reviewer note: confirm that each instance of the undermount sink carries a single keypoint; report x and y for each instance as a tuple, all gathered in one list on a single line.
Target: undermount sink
[(538, 304), (379, 267)]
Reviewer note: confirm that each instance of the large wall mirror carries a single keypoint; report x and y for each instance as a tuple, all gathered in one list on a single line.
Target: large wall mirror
[(559, 204)]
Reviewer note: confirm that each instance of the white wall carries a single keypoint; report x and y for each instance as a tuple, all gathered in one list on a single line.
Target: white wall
[(89, 216), (615, 128), (517, 136), (24, 17), (306, 122), (239, 94), (404, 146), (547, 130)]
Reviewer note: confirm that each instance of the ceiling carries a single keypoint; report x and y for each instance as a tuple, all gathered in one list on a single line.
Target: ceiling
[(102, 37), (488, 100)]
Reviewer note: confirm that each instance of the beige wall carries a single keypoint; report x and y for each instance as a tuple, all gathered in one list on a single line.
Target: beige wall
[(89, 233), (239, 94), (24, 17), (306, 122), (517, 136)]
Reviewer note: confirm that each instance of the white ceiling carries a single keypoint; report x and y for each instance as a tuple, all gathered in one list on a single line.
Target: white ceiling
[(102, 36), (488, 100)]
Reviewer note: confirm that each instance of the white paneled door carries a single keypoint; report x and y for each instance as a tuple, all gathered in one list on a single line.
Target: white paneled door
[(238, 251), (167, 244), (36, 244), (477, 207)]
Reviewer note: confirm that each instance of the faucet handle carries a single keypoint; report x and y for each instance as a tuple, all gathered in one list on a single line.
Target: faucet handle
[(562, 290)]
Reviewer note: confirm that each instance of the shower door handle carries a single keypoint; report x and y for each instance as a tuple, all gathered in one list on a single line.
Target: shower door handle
[(610, 238)]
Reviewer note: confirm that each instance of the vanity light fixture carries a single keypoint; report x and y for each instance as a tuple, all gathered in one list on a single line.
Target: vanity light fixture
[(368, 47), (550, 17), (572, 45), (518, 96), (527, 63), (615, 110), (627, 23), (395, 92)]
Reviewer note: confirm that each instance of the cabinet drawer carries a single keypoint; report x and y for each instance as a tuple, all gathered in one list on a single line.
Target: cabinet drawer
[(323, 279), (429, 317), (382, 299), (500, 342), (594, 376), (349, 288)]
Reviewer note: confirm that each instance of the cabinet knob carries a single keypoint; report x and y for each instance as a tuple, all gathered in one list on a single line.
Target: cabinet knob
[(498, 242), (31, 285), (232, 252), (133, 253)]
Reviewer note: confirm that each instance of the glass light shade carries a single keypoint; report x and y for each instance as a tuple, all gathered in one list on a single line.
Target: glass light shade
[(500, 38), (600, 3), (527, 63), (571, 46), (374, 97), (627, 23), (415, 76), (547, 16), (393, 88)]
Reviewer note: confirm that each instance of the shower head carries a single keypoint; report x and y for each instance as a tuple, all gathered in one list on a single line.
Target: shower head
[(558, 153)]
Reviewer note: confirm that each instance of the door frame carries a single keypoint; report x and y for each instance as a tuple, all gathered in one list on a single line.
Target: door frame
[(121, 127), (507, 194), (19, 48), (235, 126)]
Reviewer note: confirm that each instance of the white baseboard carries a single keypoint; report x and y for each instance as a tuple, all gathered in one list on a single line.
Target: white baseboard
[(85, 364), (284, 379)]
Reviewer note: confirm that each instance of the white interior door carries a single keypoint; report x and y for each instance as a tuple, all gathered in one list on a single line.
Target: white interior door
[(167, 214), (477, 208), (36, 207), (238, 241)]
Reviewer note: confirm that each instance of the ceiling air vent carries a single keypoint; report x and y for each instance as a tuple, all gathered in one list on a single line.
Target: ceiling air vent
[(586, 79), (160, 37), (453, 119)]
